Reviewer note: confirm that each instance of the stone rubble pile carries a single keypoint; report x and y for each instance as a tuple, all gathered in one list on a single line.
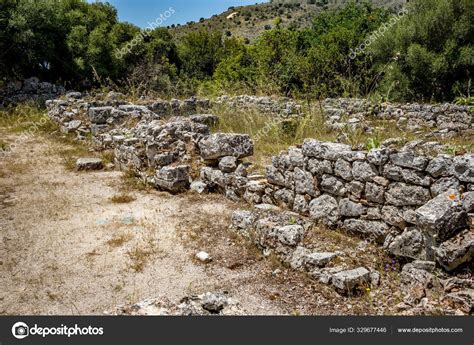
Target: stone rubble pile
[(268, 105), (206, 304), (283, 233), (31, 89), (428, 290)]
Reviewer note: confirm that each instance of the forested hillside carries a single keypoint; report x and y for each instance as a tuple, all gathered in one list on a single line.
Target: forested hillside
[(423, 53)]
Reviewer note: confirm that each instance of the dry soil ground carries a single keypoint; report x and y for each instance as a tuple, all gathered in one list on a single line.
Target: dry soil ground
[(66, 248)]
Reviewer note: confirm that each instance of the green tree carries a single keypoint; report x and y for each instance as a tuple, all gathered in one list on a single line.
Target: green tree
[(430, 55)]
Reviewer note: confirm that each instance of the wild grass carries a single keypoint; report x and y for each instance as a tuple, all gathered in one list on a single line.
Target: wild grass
[(272, 134), (3, 145), (122, 198), (27, 117), (140, 256), (119, 240), (130, 182)]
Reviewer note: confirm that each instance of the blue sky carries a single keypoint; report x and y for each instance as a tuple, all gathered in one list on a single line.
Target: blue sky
[(141, 12)]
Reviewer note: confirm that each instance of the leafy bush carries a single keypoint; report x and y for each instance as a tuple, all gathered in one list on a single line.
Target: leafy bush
[(430, 55)]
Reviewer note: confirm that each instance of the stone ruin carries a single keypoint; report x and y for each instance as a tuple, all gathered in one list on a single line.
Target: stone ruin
[(31, 89), (418, 206), (438, 120)]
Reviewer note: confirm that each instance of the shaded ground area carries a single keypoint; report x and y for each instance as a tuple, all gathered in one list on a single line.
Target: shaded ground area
[(72, 244)]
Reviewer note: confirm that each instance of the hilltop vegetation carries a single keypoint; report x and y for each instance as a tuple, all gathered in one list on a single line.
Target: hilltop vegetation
[(250, 21), (428, 54)]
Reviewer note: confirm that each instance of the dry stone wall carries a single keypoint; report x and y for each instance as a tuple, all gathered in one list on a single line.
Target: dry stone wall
[(31, 89), (441, 119)]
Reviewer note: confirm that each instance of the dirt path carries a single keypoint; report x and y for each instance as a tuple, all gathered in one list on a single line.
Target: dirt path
[(66, 248)]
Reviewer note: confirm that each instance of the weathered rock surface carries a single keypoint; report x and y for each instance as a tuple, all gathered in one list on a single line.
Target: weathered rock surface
[(456, 251), (226, 144), (347, 281), (410, 244), (464, 168), (84, 164), (206, 304), (374, 230), (401, 194), (443, 216), (325, 209), (173, 179)]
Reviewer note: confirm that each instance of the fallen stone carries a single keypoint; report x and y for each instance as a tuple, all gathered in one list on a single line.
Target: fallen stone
[(373, 230), (456, 251), (198, 187), (443, 216), (348, 281), (416, 274), (374, 278), (314, 260), (410, 244), (428, 266), (85, 164), (203, 257), (173, 179), (463, 299), (214, 303)]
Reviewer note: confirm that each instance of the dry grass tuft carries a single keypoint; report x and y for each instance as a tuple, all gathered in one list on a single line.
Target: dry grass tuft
[(130, 182), (142, 254), (119, 240), (140, 258), (122, 198)]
